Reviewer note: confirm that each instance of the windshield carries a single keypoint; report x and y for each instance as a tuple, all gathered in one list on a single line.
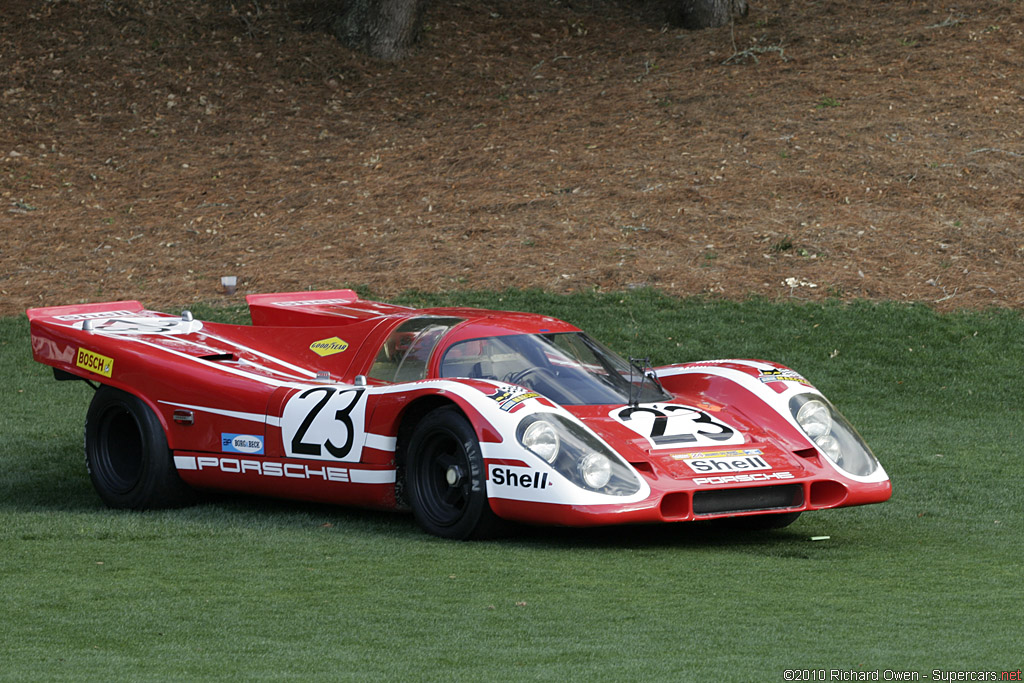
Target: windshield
[(569, 368)]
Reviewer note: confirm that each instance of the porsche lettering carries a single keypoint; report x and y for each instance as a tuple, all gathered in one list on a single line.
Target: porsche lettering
[(744, 478), (266, 468)]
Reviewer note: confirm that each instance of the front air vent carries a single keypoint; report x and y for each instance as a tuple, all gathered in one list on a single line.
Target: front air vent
[(218, 357), (724, 501), (644, 468)]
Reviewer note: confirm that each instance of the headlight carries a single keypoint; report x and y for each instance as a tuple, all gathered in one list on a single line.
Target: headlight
[(577, 454), (596, 470), (815, 419), (833, 435), (541, 438)]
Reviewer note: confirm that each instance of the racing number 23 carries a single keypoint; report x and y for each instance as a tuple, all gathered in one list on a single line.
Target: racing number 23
[(674, 425), (313, 429)]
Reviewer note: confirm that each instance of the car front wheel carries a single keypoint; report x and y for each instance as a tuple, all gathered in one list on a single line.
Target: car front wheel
[(445, 478)]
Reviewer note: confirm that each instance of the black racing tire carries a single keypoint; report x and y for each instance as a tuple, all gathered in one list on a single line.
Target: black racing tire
[(445, 478), (127, 455)]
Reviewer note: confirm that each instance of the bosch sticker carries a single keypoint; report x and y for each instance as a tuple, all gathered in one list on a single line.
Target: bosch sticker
[(95, 362)]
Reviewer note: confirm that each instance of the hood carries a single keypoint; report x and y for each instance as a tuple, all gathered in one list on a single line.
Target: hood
[(686, 441)]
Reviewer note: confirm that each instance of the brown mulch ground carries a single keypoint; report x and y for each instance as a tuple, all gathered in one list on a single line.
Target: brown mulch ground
[(839, 148)]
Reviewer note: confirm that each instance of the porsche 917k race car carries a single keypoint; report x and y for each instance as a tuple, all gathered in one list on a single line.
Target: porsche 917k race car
[(466, 416)]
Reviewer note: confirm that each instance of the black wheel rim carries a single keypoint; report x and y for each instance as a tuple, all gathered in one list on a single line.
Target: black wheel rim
[(119, 450), (444, 482)]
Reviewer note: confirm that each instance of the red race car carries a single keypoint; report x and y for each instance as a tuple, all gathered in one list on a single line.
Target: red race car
[(467, 416)]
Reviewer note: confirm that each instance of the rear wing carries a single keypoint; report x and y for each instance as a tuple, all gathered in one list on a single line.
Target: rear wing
[(80, 339), (312, 309), (76, 312)]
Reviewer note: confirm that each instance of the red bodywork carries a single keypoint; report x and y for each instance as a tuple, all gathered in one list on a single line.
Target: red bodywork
[(288, 407)]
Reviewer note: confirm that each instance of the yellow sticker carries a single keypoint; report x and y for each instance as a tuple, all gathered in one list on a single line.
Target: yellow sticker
[(327, 347), (95, 362)]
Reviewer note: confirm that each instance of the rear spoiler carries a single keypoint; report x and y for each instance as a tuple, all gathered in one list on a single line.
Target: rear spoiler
[(313, 309), (76, 312)]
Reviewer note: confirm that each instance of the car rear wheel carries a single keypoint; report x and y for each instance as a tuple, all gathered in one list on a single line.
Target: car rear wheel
[(127, 455), (445, 477)]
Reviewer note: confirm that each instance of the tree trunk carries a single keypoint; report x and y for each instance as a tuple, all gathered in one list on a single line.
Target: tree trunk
[(697, 14), (384, 29)]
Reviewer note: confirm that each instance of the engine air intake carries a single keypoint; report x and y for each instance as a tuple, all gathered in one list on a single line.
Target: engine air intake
[(748, 500)]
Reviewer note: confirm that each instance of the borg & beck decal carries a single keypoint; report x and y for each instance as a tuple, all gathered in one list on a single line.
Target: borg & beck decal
[(94, 362), (241, 443)]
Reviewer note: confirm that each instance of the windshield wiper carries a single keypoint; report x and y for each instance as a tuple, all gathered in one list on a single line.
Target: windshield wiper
[(634, 363)]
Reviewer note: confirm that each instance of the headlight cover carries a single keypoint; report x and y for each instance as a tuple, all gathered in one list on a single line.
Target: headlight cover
[(541, 437), (832, 434), (576, 454)]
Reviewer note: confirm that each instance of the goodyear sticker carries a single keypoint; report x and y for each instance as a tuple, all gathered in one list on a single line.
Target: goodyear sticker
[(327, 347), (95, 362)]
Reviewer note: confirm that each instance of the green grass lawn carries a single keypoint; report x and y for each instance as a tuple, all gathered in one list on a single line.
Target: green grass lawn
[(274, 590)]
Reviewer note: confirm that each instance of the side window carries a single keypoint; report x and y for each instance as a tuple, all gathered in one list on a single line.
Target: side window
[(488, 358), (405, 354)]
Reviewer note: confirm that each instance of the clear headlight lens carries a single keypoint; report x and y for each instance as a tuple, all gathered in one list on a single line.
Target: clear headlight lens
[(830, 446), (833, 435), (577, 454), (541, 438), (596, 470), (815, 419)]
